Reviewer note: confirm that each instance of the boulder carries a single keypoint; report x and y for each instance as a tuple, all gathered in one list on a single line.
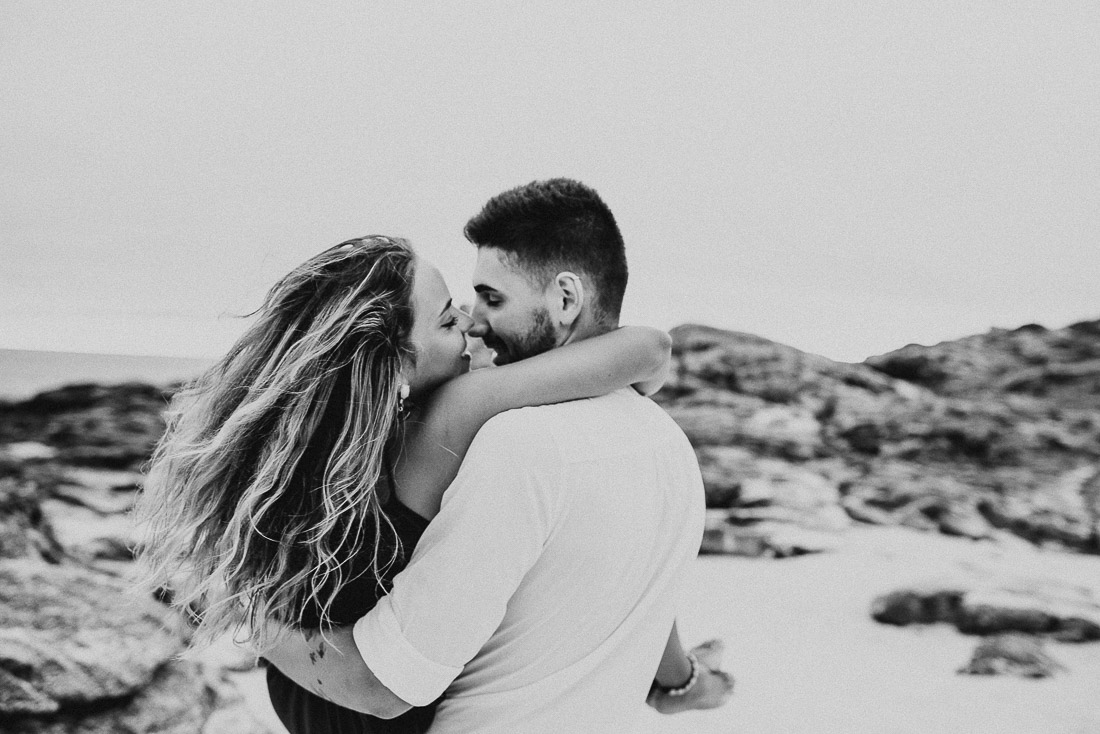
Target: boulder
[(70, 639), (1012, 654), (174, 701), (1060, 611), (76, 638), (909, 606)]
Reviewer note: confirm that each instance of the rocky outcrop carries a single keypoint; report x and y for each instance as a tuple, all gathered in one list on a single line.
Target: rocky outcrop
[(788, 437), (1059, 366), (112, 427), (80, 649)]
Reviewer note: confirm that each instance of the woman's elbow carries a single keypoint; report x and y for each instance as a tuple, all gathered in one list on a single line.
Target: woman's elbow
[(660, 350)]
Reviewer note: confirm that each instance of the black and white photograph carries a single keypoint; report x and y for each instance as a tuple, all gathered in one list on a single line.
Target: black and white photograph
[(549, 367)]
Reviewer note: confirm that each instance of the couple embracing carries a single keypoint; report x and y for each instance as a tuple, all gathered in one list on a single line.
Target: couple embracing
[(411, 545)]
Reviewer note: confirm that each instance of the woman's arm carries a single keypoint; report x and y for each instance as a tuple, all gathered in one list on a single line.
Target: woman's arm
[(331, 667), (436, 444)]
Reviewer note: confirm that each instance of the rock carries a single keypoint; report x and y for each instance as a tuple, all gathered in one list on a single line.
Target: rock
[(965, 462), (76, 638), (94, 425), (1060, 365), (175, 701), (724, 535), (909, 606), (1033, 521), (104, 479), (1065, 614), (1012, 654), (24, 532), (102, 501), (86, 534), (1062, 612), (794, 432), (964, 521), (28, 451)]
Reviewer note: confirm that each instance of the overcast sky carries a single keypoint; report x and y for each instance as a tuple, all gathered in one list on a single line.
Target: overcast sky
[(842, 177)]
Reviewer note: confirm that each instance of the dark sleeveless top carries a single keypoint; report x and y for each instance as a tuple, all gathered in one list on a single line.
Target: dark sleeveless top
[(300, 710)]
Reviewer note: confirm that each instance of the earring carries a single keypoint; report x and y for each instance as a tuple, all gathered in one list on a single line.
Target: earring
[(402, 396)]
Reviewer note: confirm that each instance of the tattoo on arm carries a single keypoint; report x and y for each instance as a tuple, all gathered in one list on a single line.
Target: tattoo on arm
[(319, 655)]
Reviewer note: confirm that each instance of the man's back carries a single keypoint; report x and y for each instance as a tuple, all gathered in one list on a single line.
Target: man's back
[(598, 506)]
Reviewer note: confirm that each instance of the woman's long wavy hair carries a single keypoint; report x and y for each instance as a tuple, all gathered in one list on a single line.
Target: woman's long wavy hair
[(266, 481)]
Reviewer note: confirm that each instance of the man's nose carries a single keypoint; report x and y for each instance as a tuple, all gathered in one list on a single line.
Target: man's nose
[(479, 326)]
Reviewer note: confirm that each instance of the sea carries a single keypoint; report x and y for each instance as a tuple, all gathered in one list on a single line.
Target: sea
[(24, 373)]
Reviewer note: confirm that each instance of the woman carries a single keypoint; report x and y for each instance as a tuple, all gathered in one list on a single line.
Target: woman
[(297, 474)]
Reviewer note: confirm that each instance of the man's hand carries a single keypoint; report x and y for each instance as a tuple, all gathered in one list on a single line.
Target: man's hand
[(714, 687), (330, 666)]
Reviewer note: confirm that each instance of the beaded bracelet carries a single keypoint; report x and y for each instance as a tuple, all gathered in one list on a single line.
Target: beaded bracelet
[(690, 682)]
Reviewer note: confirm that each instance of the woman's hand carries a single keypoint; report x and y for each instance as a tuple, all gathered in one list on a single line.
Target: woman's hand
[(713, 688)]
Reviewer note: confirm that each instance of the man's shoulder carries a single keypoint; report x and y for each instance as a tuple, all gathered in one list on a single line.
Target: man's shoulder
[(622, 414)]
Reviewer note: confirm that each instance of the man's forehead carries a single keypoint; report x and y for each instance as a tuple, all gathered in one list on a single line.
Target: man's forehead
[(500, 270)]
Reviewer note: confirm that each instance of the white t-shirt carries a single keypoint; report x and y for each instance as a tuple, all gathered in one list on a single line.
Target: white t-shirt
[(541, 597)]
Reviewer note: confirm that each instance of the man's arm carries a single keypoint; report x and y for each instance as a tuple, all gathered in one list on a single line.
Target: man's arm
[(332, 668), (453, 594)]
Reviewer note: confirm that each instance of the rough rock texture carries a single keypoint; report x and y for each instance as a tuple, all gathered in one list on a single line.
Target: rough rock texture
[(175, 701), (77, 638), (79, 651), (92, 425), (788, 437), (1012, 654), (1061, 366)]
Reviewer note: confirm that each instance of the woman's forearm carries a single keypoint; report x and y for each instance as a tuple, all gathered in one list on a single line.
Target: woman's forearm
[(331, 667), (674, 669)]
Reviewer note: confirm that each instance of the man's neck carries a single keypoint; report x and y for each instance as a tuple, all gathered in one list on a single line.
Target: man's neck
[(586, 329)]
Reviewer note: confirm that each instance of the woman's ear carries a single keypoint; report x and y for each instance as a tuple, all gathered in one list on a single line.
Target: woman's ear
[(567, 299)]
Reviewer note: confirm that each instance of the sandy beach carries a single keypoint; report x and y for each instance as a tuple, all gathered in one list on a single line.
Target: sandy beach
[(809, 659)]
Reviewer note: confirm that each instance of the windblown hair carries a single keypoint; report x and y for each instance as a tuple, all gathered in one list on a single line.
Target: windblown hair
[(554, 225), (265, 483)]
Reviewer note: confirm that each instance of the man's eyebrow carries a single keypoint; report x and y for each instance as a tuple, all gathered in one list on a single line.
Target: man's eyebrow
[(482, 288), (446, 308)]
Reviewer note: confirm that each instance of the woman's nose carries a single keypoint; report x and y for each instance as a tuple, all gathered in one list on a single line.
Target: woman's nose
[(465, 322)]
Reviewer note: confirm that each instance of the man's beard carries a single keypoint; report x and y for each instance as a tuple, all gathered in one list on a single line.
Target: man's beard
[(538, 339)]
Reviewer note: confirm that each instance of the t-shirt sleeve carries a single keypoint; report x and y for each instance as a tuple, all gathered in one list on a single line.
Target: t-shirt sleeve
[(491, 527)]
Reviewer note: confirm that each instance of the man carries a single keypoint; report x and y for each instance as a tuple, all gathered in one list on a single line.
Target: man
[(540, 598)]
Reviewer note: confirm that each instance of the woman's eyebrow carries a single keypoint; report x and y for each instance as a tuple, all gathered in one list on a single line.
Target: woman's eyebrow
[(446, 308)]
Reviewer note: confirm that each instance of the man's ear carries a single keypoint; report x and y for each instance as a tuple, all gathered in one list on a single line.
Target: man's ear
[(568, 299)]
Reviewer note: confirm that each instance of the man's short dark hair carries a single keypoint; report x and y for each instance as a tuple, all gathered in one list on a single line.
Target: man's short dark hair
[(554, 225)]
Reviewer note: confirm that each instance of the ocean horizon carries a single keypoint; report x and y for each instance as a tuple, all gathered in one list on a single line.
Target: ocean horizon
[(25, 373)]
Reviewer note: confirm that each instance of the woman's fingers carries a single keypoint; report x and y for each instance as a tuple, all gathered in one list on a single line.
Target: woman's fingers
[(709, 653), (713, 689)]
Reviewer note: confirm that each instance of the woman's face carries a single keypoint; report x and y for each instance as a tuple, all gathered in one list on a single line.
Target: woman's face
[(439, 331)]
